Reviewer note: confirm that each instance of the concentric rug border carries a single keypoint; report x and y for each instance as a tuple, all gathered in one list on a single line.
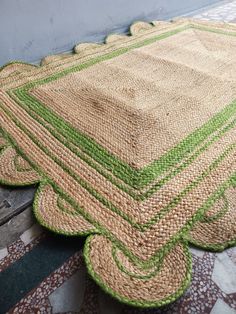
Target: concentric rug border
[(181, 237)]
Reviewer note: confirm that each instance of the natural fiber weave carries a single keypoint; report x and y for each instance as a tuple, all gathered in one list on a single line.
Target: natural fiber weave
[(134, 143)]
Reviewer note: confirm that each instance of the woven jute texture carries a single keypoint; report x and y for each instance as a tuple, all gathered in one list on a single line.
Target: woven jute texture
[(133, 143)]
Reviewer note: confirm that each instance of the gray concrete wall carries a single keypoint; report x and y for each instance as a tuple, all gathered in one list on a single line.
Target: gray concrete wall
[(32, 29)]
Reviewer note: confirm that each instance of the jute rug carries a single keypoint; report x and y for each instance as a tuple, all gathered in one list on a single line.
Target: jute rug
[(133, 144)]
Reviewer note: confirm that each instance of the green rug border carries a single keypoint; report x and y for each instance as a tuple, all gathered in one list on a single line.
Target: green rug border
[(23, 92), (100, 230), (104, 201), (138, 303), (181, 237)]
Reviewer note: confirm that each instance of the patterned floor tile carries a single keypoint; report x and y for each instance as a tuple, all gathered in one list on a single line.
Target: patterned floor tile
[(70, 290), (221, 307), (224, 273), (69, 296), (223, 12), (31, 234)]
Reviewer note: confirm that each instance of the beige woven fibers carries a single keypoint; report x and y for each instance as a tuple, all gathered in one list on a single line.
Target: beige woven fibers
[(134, 143)]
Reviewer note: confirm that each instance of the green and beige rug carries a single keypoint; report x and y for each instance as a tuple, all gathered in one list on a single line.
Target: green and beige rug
[(133, 144)]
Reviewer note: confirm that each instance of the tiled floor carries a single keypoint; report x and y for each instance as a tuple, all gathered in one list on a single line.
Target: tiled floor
[(68, 288), (226, 11)]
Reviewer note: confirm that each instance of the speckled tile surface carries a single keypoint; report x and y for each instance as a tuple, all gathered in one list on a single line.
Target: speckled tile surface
[(68, 289), (225, 11)]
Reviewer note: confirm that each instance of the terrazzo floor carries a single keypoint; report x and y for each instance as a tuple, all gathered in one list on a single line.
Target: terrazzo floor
[(66, 287), (225, 11)]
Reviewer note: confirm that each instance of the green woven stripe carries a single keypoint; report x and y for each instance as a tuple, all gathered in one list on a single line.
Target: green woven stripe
[(106, 56), (151, 274), (135, 178), (157, 257), (153, 260), (216, 31), (89, 146), (190, 159), (82, 182), (111, 162), (103, 200), (159, 184)]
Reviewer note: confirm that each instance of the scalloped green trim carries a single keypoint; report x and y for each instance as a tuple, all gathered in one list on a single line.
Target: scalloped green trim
[(9, 183), (49, 227), (138, 303), (159, 254), (17, 62), (156, 258), (212, 247)]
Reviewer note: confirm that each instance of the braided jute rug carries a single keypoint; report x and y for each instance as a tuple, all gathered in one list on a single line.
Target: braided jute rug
[(133, 144)]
